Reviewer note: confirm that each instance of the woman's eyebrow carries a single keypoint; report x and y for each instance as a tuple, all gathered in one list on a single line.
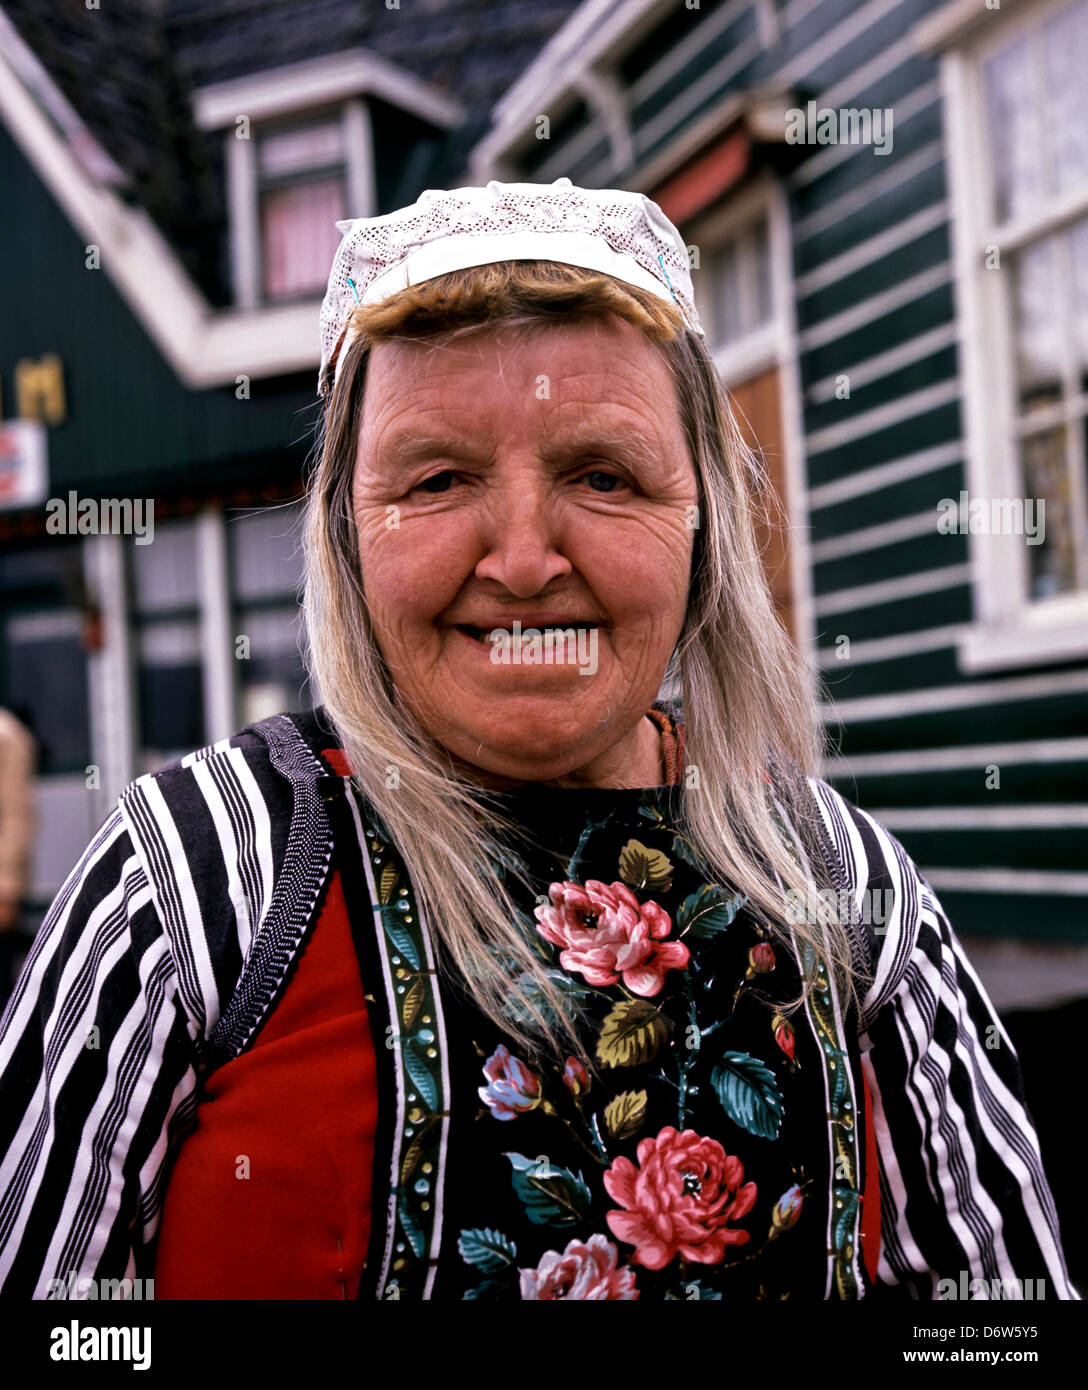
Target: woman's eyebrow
[(410, 446), (597, 440)]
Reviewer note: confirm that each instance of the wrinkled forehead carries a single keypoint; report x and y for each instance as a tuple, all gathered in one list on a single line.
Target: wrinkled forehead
[(552, 368)]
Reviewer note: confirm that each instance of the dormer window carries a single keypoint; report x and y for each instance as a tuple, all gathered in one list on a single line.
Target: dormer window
[(299, 157)]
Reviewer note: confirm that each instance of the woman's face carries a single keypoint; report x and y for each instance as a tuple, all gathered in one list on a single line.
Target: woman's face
[(535, 477)]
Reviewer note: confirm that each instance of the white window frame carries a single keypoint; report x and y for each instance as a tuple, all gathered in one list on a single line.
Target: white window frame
[(1010, 628), (773, 345)]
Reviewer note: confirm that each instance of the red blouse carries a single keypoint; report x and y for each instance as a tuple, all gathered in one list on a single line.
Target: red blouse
[(270, 1195)]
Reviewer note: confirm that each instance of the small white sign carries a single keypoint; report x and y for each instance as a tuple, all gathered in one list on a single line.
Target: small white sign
[(23, 472)]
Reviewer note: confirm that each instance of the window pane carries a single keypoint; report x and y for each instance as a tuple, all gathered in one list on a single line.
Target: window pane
[(164, 573), (728, 318), (763, 272), (741, 271), (273, 679), (171, 692), (1046, 479), (1066, 39), (266, 558), (1037, 326), (1019, 139), (299, 235), (301, 149)]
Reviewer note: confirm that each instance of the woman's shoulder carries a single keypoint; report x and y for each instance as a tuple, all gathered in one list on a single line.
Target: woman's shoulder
[(240, 798), (889, 900), (262, 759), (235, 845)]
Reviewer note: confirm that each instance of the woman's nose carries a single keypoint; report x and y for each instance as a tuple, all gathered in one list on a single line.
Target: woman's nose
[(522, 549)]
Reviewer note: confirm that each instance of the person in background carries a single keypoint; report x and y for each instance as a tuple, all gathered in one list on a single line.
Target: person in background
[(17, 759)]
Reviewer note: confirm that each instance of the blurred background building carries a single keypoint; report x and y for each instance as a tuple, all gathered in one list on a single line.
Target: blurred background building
[(900, 311)]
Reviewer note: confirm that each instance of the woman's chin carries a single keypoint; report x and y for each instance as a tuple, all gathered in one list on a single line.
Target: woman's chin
[(531, 741)]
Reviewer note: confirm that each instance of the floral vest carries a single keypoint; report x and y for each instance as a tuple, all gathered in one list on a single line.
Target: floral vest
[(720, 1151)]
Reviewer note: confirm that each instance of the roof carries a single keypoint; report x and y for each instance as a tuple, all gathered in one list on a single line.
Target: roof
[(147, 57)]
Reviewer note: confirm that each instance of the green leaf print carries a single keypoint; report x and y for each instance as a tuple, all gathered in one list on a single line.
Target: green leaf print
[(707, 912), (486, 1250), (552, 1196), (749, 1094)]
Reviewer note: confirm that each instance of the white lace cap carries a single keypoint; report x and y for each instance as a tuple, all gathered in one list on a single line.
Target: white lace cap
[(625, 235)]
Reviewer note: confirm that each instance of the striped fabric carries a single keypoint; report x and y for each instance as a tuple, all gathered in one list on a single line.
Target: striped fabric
[(173, 938)]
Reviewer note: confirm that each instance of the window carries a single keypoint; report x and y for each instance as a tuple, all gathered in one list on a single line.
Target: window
[(1039, 162), (289, 181), (165, 578), (302, 194), (740, 279), (266, 567), (1018, 154), (743, 292), (299, 155)]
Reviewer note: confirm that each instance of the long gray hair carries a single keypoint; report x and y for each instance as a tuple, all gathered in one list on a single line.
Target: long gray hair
[(747, 697)]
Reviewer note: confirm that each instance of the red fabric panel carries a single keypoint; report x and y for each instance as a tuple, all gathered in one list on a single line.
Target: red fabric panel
[(301, 1104), (870, 1202), (337, 759)]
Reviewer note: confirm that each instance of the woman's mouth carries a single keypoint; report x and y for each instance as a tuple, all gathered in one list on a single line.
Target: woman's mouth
[(508, 635)]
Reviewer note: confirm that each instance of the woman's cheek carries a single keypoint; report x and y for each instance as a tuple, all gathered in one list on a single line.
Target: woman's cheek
[(644, 567), (419, 565)]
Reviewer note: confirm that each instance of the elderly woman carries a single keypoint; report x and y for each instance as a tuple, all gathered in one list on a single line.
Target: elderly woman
[(500, 977)]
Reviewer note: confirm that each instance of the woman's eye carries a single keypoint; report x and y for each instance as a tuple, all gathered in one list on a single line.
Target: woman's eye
[(437, 482), (610, 481)]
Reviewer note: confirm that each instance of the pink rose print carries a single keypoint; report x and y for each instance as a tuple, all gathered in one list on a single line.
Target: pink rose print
[(512, 1086), (680, 1200), (607, 933), (582, 1271)]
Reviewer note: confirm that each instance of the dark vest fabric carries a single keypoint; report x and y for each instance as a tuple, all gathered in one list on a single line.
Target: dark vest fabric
[(409, 1148), (716, 1153)]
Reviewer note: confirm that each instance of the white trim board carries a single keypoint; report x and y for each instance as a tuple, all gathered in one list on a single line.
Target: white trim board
[(884, 475), (868, 311), (903, 528), (872, 249), (885, 363), (327, 81), (1034, 881), (1022, 816), (879, 186), (203, 346), (905, 108), (882, 417), (891, 590), (968, 695), (930, 639), (968, 755)]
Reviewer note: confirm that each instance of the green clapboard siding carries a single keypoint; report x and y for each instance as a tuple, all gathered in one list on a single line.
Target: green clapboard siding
[(130, 422)]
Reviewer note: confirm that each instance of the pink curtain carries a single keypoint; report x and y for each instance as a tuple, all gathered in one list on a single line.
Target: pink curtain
[(300, 238)]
